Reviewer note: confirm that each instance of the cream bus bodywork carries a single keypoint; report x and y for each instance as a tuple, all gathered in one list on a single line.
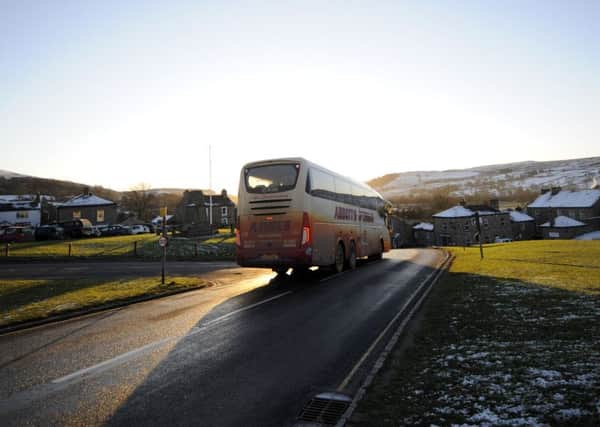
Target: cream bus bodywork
[(294, 213)]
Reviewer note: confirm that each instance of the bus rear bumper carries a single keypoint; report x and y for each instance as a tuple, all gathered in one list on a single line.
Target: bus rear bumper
[(292, 257)]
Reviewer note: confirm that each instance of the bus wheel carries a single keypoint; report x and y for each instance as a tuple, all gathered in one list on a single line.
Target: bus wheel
[(338, 266), (378, 255), (351, 262)]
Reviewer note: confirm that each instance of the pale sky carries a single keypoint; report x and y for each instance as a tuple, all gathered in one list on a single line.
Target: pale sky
[(115, 93)]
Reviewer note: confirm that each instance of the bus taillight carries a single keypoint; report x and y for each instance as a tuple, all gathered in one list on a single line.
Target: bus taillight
[(305, 229)]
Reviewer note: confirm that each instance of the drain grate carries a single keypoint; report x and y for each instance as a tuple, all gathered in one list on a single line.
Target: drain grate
[(325, 408)]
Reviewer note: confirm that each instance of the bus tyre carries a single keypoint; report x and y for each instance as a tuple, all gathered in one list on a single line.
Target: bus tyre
[(351, 262), (378, 255), (338, 266)]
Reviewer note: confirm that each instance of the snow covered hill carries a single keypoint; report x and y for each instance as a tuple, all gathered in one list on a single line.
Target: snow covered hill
[(495, 179)]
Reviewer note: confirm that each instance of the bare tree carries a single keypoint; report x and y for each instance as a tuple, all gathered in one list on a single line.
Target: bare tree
[(139, 199)]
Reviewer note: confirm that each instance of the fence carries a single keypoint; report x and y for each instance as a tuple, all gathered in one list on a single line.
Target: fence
[(142, 248)]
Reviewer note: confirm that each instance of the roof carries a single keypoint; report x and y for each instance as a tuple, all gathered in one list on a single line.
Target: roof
[(567, 199), (516, 216), (594, 235), (86, 200), (563, 222), (423, 226), (455, 212)]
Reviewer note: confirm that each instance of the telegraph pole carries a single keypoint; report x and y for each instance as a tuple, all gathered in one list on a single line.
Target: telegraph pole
[(210, 208), (479, 233)]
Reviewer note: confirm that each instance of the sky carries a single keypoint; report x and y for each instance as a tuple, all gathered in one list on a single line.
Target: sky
[(116, 93)]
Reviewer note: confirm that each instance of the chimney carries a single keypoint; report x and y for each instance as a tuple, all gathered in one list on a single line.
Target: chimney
[(556, 190), (544, 190), (463, 203), (495, 204)]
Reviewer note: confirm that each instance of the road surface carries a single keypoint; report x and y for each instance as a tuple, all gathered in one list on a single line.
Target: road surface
[(252, 352)]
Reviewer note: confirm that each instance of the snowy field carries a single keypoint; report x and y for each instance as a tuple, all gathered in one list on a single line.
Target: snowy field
[(494, 352)]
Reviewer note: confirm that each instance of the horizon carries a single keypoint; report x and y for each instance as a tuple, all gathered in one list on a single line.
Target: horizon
[(116, 94), (234, 191)]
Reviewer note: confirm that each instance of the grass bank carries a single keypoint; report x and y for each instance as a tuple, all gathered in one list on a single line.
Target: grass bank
[(26, 300), (512, 339), (141, 246)]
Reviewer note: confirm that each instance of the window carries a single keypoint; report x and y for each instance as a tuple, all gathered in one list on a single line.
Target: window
[(100, 215), (272, 178), (22, 215), (467, 225), (224, 211), (322, 185), (76, 214), (225, 220)]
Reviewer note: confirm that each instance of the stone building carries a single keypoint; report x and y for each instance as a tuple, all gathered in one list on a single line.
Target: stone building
[(89, 206), (457, 226), (523, 226), (583, 206), (563, 227), (423, 234), (193, 212)]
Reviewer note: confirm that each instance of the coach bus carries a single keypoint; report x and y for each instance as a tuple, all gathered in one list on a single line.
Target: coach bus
[(295, 214)]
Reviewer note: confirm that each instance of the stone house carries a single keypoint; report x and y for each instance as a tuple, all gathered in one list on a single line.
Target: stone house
[(583, 206), (457, 226), (563, 227), (423, 234), (193, 212), (523, 226), (96, 209), (401, 234)]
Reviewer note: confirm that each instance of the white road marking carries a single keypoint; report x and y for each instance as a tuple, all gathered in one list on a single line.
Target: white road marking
[(358, 364), (124, 357)]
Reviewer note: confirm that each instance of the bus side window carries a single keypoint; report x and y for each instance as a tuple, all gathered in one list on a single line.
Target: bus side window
[(322, 185)]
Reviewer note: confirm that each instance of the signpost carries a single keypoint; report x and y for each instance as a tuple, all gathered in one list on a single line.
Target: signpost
[(163, 241)]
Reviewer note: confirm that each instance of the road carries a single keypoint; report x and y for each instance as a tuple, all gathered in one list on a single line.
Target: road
[(252, 352), (106, 269)]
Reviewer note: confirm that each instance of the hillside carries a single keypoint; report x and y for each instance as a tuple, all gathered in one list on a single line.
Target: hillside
[(502, 181), (14, 183)]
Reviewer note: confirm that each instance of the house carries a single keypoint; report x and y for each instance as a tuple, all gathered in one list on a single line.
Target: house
[(583, 206), (96, 209), (400, 232), (20, 210), (423, 234), (457, 226), (523, 226), (563, 227), (194, 211)]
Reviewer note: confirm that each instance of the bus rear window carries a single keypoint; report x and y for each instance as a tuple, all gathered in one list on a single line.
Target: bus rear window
[(272, 178)]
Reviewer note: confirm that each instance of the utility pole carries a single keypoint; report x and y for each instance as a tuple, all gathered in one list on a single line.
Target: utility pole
[(210, 203), (479, 233)]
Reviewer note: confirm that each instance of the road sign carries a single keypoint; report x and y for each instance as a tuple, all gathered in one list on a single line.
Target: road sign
[(163, 241)]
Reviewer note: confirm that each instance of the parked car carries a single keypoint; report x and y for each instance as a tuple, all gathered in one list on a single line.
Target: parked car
[(96, 231), (16, 233), (138, 229), (76, 228), (115, 230), (49, 232)]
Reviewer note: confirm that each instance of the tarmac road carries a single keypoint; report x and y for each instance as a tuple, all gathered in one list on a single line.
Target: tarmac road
[(249, 352)]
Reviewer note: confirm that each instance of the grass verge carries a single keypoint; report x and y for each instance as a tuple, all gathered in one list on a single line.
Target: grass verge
[(513, 339), (26, 300), (142, 246)]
